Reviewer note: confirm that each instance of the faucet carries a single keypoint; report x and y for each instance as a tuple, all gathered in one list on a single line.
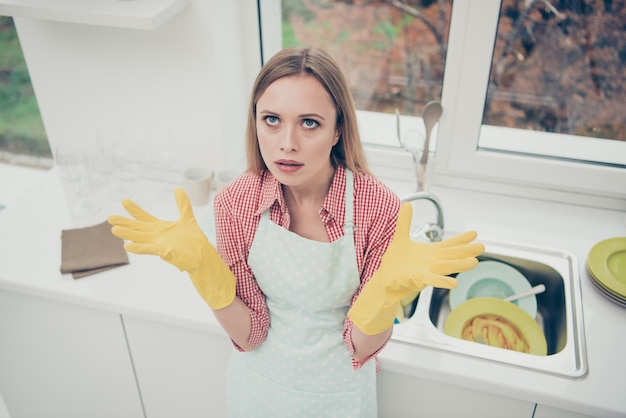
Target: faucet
[(434, 231)]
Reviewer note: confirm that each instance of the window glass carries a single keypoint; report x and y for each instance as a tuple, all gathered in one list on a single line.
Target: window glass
[(23, 138), (531, 93), (558, 67), (393, 54)]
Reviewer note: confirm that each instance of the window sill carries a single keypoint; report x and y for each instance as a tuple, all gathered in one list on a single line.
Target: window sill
[(16, 180), (130, 14), (395, 166)]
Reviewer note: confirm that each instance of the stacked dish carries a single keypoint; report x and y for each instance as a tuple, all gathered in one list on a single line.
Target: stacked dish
[(606, 265), (479, 314)]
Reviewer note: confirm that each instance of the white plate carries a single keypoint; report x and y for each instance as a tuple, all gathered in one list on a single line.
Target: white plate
[(495, 280)]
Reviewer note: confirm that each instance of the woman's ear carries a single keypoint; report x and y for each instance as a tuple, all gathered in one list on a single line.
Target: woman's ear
[(337, 135)]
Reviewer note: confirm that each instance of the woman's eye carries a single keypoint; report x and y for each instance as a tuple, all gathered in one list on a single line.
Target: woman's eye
[(271, 120), (310, 123)]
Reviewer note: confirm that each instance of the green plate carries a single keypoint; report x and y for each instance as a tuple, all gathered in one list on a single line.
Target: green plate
[(527, 327), (607, 264)]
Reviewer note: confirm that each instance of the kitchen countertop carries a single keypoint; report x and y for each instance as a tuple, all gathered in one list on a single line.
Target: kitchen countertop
[(149, 288)]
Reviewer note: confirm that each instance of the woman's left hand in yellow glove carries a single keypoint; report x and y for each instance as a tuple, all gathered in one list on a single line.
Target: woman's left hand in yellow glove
[(182, 244), (409, 266)]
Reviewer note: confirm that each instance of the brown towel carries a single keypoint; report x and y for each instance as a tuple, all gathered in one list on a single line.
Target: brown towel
[(86, 251)]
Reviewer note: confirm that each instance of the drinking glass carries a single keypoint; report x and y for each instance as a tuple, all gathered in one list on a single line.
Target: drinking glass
[(160, 155), (76, 165), (160, 151), (127, 169)]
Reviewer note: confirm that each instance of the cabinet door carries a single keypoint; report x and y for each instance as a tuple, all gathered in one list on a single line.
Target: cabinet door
[(401, 396), (543, 411), (61, 360), (181, 371)]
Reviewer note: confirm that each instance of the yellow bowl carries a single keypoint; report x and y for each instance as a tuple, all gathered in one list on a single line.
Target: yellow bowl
[(496, 323)]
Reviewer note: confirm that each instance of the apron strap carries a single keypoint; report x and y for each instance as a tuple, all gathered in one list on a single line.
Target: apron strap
[(349, 228)]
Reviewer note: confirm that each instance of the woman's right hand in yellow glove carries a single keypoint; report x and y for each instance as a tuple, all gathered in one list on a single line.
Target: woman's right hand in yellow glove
[(182, 244), (408, 266)]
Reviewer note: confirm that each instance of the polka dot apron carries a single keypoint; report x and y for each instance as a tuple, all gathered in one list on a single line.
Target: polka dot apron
[(303, 368)]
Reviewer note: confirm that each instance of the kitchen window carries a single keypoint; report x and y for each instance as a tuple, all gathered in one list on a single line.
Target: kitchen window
[(24, 149), (375, 44), (23, 138), (532, 90)]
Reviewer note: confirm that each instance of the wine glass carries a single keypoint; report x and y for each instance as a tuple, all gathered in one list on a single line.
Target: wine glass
[(76, 164), (104, 139), (127, 168), (160, 154)]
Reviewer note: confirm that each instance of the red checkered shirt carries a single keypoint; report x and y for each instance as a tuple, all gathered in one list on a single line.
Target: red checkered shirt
[(238, 210)]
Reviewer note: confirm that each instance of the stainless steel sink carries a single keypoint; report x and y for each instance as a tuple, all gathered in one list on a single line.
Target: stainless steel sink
[(559, 313)]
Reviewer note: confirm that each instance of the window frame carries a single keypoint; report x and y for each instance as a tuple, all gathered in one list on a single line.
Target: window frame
[(376, 129), (460, 161)]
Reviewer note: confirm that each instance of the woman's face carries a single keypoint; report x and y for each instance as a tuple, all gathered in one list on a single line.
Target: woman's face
[(296, 129)]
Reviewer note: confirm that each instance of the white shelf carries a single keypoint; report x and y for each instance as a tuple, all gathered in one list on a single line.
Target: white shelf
[(132, 14)]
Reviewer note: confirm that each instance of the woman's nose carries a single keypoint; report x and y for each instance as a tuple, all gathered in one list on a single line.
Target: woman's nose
[(289, 141)]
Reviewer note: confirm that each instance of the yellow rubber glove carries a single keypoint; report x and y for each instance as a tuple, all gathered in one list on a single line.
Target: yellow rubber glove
[(409, 266), (182, 244)]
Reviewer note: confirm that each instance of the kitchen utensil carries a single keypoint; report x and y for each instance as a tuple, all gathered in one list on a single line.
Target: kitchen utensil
[(431, 114), (535, 290)]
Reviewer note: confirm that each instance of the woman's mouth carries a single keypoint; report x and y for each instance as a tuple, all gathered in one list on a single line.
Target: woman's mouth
[(288, 166)]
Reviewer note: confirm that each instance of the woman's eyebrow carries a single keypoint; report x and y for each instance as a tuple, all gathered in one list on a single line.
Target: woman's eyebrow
[(312, 115), (301, 116)]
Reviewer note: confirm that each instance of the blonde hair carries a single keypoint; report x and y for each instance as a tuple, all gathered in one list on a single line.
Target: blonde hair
[(317, 63)]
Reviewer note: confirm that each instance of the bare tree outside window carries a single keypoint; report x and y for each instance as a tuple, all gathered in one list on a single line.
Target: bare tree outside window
[(392, 51), (559, 66)]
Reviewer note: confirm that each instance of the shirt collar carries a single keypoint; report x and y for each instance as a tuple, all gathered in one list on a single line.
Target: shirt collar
[(271, 192), (334, 204)]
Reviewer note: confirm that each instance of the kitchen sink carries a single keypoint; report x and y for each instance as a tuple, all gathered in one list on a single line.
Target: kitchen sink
[(559, 313)]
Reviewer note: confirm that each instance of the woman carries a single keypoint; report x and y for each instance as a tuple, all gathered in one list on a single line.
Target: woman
[(299, 281)]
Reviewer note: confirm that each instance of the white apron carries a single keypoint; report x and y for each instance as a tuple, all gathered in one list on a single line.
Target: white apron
[(303, 368)]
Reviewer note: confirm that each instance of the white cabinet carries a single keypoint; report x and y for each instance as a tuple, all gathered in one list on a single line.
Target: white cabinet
[(116, 13), (543, 411), (61, 360), (401, 396), (181, 371)]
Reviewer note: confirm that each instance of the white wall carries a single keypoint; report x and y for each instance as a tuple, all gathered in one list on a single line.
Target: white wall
[(193, 74)]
